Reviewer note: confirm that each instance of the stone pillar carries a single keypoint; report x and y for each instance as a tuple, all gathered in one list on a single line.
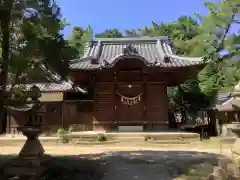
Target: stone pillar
[(224, 130)]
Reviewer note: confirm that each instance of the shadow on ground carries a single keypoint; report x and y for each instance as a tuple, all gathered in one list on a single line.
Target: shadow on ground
[(140, 165)]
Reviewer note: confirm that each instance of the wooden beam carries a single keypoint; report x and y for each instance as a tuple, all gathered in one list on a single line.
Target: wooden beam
[(125, 82), (62, 113), (144, 74), (114, 97)]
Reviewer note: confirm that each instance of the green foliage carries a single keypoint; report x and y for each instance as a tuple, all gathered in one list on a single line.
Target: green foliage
[(221, 72), (63, 135), (101, 137), (110, 33), (79, 38), (34, 36)]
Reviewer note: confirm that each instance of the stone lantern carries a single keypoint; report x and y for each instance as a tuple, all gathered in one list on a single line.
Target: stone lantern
[(31, 159), (236, 129)]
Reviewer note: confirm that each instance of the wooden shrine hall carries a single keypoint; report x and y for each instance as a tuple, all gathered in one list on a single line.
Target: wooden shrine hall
[(118, 85), (127, 79)]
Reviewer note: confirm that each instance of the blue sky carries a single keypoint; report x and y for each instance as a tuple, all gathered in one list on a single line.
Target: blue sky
[(125, 14)]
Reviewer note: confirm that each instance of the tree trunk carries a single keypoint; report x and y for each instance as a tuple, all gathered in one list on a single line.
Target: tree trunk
[(5, 13)]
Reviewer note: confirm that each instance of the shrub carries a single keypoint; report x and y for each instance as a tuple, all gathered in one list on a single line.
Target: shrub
[(63, 135), (101, 137)]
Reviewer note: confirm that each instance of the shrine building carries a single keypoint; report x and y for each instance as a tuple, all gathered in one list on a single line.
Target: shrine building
[(127, 80), (123, 85)]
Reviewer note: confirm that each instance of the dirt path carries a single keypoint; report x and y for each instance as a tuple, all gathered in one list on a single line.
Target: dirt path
[(133, 162), (158, 165), (76, 150)]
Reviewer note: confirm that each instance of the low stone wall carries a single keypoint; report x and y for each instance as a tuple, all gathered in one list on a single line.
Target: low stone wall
[(131, 137), (229, 128)]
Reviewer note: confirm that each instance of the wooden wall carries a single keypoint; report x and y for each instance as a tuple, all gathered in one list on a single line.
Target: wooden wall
[(58, 114), (109, 111), (156, 104), (103, 105), (104, 110), (79, 114)]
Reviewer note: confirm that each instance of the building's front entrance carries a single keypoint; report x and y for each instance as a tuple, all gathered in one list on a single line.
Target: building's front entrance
[(130, 107)]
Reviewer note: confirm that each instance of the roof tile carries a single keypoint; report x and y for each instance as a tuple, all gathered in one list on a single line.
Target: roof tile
[(150, 50), (50, 87)]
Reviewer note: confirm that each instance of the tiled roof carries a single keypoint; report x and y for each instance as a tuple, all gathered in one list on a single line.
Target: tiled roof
[(152, 51), (229, 101), (61, 85), (22, 108), (56, 84), (50, 87)]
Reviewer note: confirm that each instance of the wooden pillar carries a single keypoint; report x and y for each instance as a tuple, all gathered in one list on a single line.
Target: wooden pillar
[(144, 74), (237, 116), (62, 112), (114, 101), (94, 100)]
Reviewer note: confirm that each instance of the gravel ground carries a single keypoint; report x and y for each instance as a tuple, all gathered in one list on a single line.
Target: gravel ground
[(133, 162), (157, 165)]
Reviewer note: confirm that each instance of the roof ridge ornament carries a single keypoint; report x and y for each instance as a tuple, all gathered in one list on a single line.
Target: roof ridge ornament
[(105, 63), (129, 50)]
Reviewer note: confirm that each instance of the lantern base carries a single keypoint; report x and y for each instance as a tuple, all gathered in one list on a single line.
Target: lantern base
[(236, 146), (31, 161), (27, 167)]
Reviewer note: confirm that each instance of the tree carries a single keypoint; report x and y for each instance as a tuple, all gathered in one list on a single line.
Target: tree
[(30, 34), (6, 7), (110, 33), (131, 33), (215, 33), (79, 38)]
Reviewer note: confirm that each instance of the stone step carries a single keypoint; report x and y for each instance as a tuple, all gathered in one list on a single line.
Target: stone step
[(160, 137), (130, 138)]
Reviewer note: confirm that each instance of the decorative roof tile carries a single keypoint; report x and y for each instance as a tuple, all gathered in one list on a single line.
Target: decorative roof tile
[(152, 51)]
